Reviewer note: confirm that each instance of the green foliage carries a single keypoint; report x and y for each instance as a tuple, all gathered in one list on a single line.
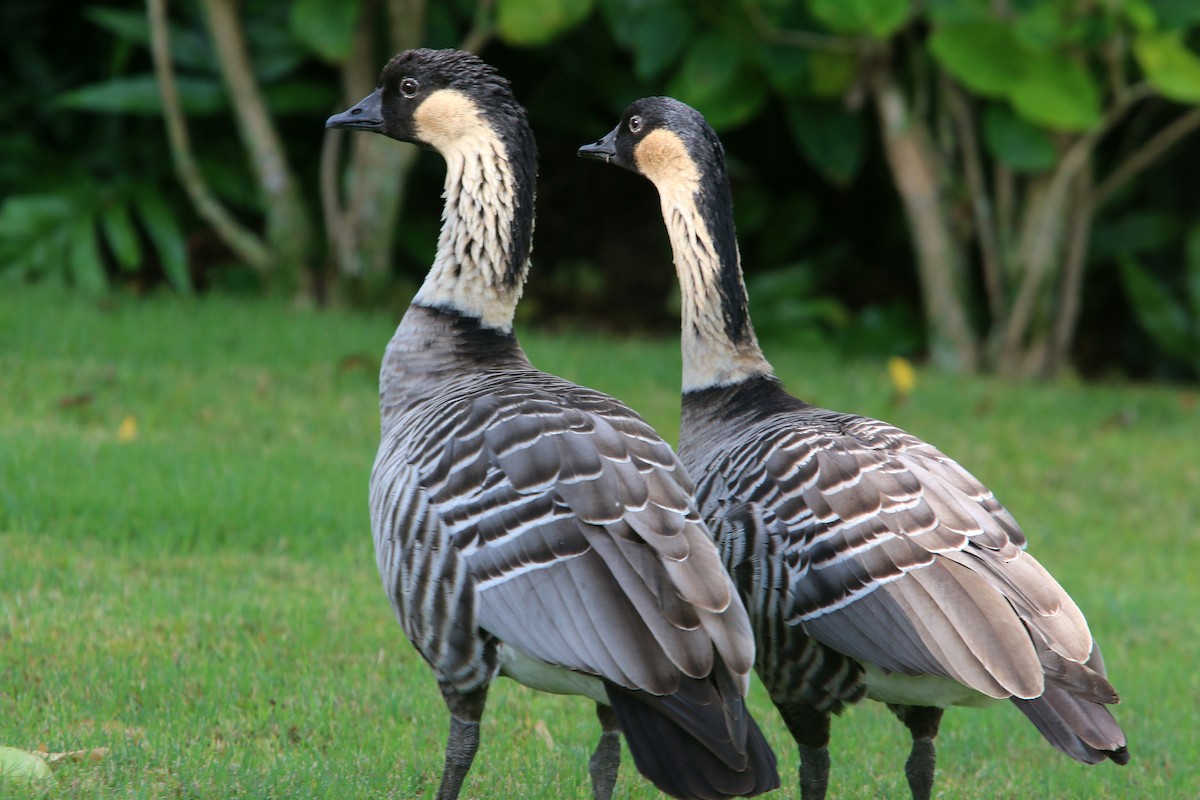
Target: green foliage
[(325, 28), (833, 139), (82, 232), (278, 55), (876, 18), (1168, 310), (1169, 318), (1046, 85), (189, 47), (138, 94), (981, 54), (1058, 91), (1170, 66), (536, 22), (714, 80), (655, 31), (1017, 143), (787, 309)]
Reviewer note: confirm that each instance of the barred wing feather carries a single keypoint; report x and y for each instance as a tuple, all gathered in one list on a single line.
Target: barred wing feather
[(575, 521), (901, 558)]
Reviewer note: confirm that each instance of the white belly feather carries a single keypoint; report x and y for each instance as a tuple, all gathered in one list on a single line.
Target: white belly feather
[(547, 677)]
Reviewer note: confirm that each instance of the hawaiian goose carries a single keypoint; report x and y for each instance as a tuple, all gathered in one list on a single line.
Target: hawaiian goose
[(908, 575), (526, 526)]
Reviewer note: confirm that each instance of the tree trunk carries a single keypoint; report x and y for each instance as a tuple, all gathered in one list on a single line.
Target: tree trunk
[(244, 243), (914, 168), (288, 227), (1070, 295), (361, 213), (377, 174)]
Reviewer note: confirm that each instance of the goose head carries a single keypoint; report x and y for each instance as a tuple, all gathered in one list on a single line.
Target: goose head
[(664, 140), (438, 99)]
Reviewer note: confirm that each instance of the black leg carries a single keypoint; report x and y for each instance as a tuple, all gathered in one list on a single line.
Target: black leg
[(922, 722), (810, 728), (607, 758), (465, 712)]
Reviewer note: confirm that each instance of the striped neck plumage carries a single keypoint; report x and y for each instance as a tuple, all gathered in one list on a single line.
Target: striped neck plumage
[(718, 342), (487, 229)]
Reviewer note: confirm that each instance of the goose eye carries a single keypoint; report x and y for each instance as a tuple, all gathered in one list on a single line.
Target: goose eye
[(635, 124), (409, 87)]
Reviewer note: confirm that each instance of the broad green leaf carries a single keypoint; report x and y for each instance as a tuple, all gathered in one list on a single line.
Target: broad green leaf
[(1173, 14), (661, 32), (786, 68), (1139, 232), (1170, 66), (83, 256), (129, 26), (275, 51), (1141, 15), (1042, 27), (876, 18), (1016, 142), (326, 28), (34, 233), (983, 55), (620, 16), (537, 22), (946, 12), (168, 240), (1057, 91), (728, 105), (710, 64), (30, 216), (188, 47), (831, 74), (121, 235), (138, 94), (1158, 312), (15, 764), (713, 80), (831, 138)]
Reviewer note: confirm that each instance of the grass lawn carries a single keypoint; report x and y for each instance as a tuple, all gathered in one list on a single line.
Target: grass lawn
[(187, 577)]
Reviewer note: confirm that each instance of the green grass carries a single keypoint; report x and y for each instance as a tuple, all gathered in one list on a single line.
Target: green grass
[(202, 599)]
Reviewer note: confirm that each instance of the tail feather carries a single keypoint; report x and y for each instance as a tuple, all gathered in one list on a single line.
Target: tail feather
[(699, 743), (1081, 728)]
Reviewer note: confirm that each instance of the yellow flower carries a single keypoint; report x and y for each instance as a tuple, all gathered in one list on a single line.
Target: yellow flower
[(903, 375), (128, 430)]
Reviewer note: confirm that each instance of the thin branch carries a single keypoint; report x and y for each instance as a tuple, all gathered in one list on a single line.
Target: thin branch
[(358, 77), (1146, 155), (1079, 228), (247, 245), (985, 223), (807, 40), (1039, 237), (482, 28), (332, 211), (1005, 186), (406, 28)]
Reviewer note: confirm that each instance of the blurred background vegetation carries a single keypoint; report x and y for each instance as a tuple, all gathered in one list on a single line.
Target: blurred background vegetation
[(994, 185)]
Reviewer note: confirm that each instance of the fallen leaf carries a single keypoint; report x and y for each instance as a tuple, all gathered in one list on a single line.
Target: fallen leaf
[(356, 362), (93, 756), (543, 733), (16, 763), (128, 430), (75, 400)]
